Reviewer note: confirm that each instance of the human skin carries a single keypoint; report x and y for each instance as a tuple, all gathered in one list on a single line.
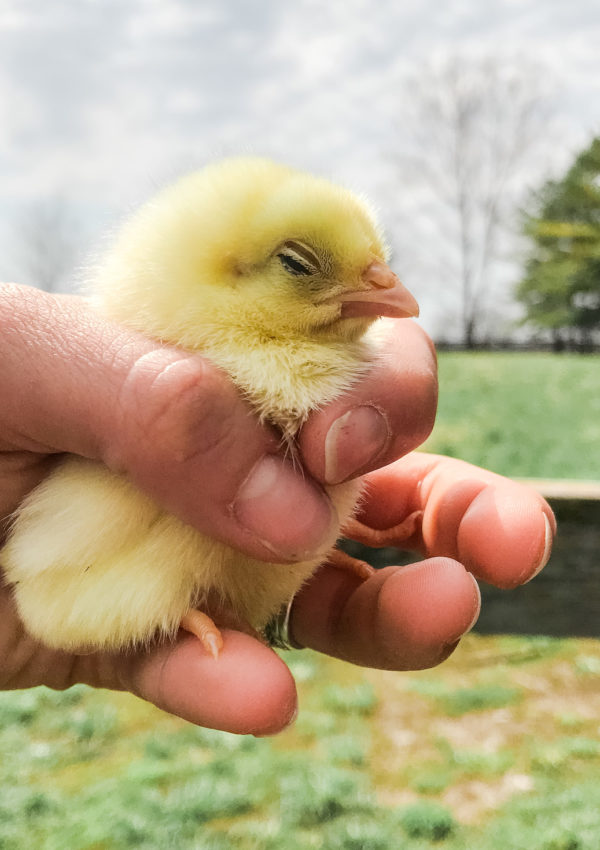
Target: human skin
[(72, 382)]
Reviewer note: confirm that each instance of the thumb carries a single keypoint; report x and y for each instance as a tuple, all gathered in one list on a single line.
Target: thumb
[(170, 421)]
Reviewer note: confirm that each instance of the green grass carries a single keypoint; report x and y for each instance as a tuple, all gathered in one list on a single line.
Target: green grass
[(457, 701), (427, 820), (529, 415), (496, 748)]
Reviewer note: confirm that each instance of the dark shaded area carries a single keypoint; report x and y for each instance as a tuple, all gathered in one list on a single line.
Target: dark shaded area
[(555, 343), (564, 600)]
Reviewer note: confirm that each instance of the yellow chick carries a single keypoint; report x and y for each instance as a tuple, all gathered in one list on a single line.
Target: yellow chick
[(274, 275)]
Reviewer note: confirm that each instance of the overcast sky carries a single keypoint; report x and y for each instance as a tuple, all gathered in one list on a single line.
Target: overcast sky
[(103, 100)]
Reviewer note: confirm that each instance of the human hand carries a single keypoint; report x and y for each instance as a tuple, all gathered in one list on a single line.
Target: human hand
[(165, 418)]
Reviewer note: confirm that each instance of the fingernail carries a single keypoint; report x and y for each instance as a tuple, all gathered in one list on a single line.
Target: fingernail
[(478, 606), (466, 630), (270, 733), (548, 540), (292, 720), (289, 514), (353, 441)]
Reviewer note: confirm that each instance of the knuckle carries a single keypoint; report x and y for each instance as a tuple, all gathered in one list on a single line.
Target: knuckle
[(173, 407)]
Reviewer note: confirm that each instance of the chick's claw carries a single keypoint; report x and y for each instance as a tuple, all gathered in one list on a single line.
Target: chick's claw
[(201, 625)]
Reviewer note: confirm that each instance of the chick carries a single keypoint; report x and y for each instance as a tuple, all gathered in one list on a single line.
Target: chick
[(274, 275)]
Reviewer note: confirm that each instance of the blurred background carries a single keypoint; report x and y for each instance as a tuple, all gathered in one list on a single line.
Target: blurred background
[(474, 129), (448, 116)]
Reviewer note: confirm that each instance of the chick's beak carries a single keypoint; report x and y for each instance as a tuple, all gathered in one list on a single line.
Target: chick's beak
[(385, 295)]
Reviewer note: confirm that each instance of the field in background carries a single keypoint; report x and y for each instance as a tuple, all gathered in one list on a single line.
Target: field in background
[(497, 748), (530, 415)]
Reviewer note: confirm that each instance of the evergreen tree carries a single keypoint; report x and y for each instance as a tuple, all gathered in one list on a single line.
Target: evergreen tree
[(561, 289)]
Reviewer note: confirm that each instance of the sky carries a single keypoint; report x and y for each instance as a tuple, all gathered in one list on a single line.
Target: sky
[(103, 101)]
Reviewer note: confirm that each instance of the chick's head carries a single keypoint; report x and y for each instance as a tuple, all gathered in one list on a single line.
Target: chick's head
[(252, 245)]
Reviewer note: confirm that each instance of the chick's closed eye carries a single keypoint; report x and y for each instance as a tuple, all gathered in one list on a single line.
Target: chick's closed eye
[(298, 259)]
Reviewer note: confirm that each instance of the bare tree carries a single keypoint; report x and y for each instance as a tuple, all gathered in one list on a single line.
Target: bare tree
[(470, 129), (48, 242)]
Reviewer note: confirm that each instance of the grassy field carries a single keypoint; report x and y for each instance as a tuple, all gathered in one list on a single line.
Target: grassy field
[(498, 749), (529, 415)]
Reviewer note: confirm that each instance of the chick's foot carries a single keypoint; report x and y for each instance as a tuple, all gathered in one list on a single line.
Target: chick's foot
[(201, 625), (343, 561), (378, 538)]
